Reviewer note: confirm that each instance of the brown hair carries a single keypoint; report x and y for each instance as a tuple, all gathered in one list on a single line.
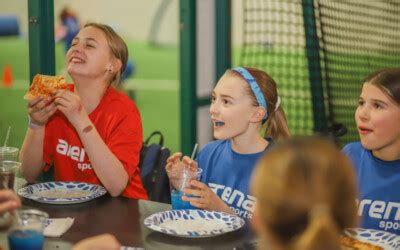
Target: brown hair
[(388, 80), (117, 46), (276, 123), (306, 191)]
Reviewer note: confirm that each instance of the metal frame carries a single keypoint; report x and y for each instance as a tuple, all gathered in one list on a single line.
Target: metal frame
[(314, 67), (41, 37)]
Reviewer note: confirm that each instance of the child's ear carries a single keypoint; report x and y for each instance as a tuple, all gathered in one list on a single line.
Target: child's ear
[(258, 114), (115, 65)]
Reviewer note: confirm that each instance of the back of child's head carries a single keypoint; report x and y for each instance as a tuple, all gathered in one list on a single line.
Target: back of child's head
[(306, 194), (117, 47), (276, 123), (388, 80)]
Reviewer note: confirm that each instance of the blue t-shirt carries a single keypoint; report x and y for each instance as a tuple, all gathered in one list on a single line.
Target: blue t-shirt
[(379, 189), (228, 174)]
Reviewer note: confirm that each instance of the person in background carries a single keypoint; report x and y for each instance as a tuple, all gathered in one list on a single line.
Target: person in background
[(376, 157), (305, 190), (93, 134), (244, 102), (70, 25)]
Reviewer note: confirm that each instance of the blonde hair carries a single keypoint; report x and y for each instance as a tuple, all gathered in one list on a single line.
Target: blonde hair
[(276, 124), (306, 194), (117, 47)]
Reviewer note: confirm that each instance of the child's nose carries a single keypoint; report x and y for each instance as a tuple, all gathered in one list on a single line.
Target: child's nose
[(363, 113), (213, 108)]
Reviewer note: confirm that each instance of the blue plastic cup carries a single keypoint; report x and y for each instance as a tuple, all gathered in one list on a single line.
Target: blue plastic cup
[(27, 230), (180, 177)]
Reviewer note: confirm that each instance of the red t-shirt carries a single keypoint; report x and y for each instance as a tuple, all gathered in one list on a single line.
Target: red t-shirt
[(118, 122)]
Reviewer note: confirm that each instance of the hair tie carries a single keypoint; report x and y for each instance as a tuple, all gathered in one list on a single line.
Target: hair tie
[(278, 102), (254, 88)]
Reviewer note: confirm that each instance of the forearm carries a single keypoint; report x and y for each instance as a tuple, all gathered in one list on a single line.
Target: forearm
[(31, 155), (106, 165)]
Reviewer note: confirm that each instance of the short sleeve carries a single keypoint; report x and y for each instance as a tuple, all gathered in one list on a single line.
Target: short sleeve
[(125, 141)]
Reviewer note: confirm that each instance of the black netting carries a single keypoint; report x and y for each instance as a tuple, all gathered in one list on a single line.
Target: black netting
[(355, 38)]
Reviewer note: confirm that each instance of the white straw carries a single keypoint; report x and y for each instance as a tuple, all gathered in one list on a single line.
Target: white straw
[(7, 135), (187, 168), (194, 151)]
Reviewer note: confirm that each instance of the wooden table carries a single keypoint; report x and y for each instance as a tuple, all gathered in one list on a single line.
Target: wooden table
[(124, 218)]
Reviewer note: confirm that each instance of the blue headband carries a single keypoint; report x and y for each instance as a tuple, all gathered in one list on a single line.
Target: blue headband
[(254, 88)]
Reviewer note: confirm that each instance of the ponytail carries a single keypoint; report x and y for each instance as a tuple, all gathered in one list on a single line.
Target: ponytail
[(277, 126), (321, 232)]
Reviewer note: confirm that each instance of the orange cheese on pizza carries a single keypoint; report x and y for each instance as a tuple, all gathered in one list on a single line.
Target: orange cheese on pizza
[(349, 243), (43, 85)]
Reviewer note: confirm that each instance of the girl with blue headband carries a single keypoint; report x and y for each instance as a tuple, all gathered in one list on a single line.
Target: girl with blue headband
[(243, 101)]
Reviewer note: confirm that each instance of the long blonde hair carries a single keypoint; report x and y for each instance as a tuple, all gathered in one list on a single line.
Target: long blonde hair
[(306, 194), (276, 123), (117, 46)]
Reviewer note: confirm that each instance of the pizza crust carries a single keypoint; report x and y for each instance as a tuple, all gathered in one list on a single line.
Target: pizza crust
[(349, 243), (44, 85)]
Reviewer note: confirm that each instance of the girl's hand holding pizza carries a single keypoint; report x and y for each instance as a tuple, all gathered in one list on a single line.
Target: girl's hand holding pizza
[(40, 109), (70, 105)]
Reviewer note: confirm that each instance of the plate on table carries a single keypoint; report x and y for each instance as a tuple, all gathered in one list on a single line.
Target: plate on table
[(62, 192), (382, 239), (193, 223)]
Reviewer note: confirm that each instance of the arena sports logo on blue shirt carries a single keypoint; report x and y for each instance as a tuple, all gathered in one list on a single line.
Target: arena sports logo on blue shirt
[(387, 213), (243, 205)]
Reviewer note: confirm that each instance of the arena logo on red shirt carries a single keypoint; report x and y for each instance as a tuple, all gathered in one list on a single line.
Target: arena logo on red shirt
[(74, 152)]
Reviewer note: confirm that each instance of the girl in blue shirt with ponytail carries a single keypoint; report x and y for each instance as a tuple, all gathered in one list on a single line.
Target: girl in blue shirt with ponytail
[(244, 102)]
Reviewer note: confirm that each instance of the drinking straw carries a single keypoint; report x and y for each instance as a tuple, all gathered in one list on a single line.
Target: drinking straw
[(185, 170), (7, 135), (194, 151)]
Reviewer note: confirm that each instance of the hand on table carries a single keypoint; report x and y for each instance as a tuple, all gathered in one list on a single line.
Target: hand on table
[(9, 201), (99, 242)]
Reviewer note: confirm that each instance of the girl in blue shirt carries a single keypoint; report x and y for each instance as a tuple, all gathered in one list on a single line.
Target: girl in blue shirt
[(376, 157), (243, 101)]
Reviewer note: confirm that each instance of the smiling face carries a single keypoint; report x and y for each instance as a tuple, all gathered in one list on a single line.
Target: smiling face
[(378, 118), (90, 55), (232, 110)]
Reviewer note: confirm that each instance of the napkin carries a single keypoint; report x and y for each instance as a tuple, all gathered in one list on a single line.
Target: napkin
[(55, 227)]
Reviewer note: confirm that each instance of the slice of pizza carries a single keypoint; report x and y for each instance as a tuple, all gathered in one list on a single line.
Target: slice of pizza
[(350, 243), (44, 85)]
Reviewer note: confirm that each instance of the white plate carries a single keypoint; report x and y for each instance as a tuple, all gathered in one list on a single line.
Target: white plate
[(379, 238), (62, 192), (193, 223)]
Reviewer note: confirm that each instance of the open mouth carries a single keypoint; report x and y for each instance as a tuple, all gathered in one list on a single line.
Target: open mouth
[(76, 60), (364, 130), (218, 124)]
